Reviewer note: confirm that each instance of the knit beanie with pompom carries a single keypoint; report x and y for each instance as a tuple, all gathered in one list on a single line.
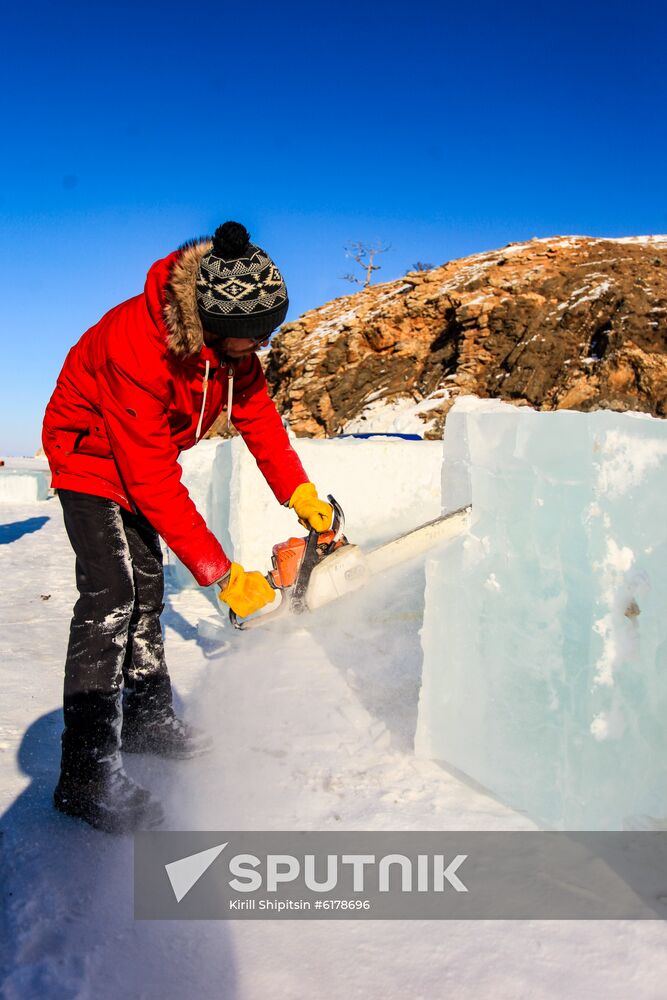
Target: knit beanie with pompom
[(240, 291)]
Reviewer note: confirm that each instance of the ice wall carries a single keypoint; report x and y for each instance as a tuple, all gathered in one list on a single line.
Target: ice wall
[(385, 486), (545, 630), (23, 485)]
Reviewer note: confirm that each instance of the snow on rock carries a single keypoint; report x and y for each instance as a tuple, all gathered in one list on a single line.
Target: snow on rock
[(396, 415), (657, 240), (545, 630)]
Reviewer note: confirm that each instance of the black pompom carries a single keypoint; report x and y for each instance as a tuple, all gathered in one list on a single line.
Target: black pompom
[(231, 240)]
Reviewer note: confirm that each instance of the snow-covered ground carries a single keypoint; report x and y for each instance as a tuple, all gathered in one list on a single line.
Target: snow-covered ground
[(314, 730)]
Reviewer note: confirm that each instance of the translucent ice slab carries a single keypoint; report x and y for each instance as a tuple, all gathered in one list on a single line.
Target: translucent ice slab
[(23, 485), (545, 631)]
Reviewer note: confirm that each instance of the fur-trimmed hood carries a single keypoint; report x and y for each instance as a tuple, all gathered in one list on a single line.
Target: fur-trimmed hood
[(181, 316), (125, 405)]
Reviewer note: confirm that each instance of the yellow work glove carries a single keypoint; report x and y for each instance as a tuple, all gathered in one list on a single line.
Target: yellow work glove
[(244, 592), (311, 511)]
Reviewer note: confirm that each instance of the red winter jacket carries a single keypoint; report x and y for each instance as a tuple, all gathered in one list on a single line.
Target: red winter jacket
[(132, 395)]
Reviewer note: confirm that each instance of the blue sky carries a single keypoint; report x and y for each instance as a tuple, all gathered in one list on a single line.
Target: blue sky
[(439, 129)]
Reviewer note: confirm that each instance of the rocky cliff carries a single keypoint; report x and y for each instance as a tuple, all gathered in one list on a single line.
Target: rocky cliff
[(563, 323)]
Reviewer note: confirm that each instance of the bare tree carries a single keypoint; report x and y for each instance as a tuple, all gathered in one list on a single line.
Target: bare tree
[(364, 254), (420, 266)]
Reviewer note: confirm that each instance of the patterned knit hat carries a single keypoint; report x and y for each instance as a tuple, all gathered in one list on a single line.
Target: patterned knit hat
[(240, 291)]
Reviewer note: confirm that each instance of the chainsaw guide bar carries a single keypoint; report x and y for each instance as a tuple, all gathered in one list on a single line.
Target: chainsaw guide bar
[(313, 571)]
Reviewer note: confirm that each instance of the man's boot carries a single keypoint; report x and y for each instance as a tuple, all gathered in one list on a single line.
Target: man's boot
[(150, 726), (93, 785), (109, 801)]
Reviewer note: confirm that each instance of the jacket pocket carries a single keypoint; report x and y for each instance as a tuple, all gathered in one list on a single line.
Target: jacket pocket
[(93, 441)]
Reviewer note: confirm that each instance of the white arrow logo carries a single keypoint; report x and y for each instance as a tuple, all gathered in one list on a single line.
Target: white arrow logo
[(186, 871)]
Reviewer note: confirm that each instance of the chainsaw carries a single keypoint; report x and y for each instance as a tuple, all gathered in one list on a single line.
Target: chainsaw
[(313, 571)]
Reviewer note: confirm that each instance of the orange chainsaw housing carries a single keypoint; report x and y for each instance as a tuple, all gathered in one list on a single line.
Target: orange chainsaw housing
[(287, 558)]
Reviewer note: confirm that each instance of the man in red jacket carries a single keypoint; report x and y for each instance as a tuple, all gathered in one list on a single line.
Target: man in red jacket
[(143, 384)]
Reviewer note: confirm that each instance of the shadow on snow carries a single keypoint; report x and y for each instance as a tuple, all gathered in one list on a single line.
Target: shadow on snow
[(66, 920), (17, 529)]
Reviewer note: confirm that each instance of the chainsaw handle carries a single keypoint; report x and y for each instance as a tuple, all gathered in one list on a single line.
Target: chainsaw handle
[(338, 522), (297, 593), (241, 623)]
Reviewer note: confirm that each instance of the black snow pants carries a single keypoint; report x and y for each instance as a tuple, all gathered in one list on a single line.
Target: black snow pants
[(115, 640)]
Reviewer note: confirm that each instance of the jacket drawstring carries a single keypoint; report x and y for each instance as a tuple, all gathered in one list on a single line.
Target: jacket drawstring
[(228, 404), (230, 392), (203, 402)]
